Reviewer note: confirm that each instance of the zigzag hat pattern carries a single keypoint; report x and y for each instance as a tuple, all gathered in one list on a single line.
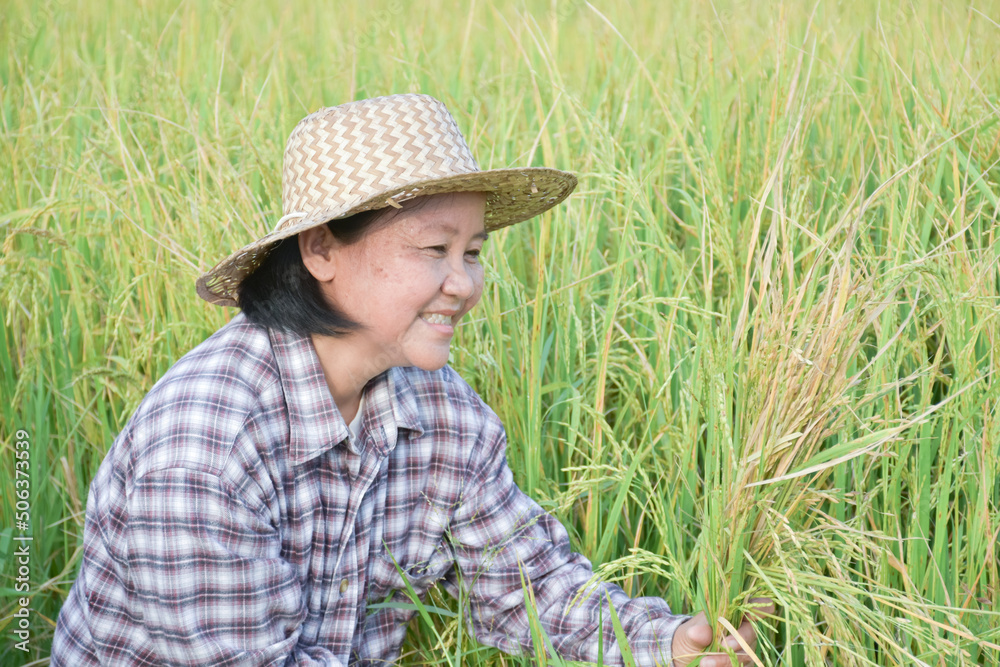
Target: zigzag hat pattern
[(374, 153)]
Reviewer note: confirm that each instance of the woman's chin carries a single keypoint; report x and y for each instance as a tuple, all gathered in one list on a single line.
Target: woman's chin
[(432, 366), (433, 361)]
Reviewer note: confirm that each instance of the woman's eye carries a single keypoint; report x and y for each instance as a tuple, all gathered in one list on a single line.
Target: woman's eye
[(473, 254)]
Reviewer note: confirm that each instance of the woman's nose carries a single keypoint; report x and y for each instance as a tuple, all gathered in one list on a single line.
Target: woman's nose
[(460, 280)]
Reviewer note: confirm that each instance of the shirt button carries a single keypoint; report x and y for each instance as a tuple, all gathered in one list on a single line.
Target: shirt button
[(343, 586)]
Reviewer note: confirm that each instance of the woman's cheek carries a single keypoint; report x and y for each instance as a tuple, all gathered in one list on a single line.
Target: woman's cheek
[(478, 293)]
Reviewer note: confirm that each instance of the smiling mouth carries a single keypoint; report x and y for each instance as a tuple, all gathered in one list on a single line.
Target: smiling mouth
[(437, 318)]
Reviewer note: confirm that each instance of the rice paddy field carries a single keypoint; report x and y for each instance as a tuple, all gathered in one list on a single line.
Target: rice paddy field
[(754, 354)]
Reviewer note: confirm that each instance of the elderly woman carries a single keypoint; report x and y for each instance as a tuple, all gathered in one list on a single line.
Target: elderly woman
[(316, 454)]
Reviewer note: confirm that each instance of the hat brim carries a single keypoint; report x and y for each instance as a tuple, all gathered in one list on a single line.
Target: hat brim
[(512, 196)]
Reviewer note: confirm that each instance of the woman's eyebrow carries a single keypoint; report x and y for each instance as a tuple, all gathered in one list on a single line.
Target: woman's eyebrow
[(454, 230)]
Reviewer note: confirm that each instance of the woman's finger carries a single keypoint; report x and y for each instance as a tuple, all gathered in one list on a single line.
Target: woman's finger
[(749, 635), (697, 632), (724, 660), (742, 640)]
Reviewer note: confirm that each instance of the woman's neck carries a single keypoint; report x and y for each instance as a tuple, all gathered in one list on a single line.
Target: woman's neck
[(346, 371)]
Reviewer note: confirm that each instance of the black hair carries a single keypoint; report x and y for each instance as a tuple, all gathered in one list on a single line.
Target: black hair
[(282, 294)]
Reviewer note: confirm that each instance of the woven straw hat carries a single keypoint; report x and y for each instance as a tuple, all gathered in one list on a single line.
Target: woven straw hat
[(376, 153)]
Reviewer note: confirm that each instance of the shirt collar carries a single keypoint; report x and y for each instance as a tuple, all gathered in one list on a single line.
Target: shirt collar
[(315, 423), (390, 405)]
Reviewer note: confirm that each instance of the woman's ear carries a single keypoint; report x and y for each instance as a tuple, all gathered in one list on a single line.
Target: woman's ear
[(317, 245)]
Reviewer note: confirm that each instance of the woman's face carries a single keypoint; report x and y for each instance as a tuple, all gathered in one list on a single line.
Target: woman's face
[(409, 282)]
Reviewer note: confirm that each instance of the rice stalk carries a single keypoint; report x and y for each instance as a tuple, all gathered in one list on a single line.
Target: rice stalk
[(783, 418)]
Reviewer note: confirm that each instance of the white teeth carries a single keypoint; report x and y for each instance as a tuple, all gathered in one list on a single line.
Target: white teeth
[(436, 318)]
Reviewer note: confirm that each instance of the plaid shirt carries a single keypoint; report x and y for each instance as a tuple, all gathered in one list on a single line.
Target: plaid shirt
[(235, 521)]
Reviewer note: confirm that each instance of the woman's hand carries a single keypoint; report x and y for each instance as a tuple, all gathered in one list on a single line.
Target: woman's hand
[(694, 636)]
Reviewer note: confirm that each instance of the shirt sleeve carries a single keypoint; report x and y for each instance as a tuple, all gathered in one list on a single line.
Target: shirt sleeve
[(209, 583), (498, 532)]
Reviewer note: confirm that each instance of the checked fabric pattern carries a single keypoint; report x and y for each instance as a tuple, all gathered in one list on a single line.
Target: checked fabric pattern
[(236, 521)]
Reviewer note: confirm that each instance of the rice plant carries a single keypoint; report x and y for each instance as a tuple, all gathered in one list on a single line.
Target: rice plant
[(754, 354)]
